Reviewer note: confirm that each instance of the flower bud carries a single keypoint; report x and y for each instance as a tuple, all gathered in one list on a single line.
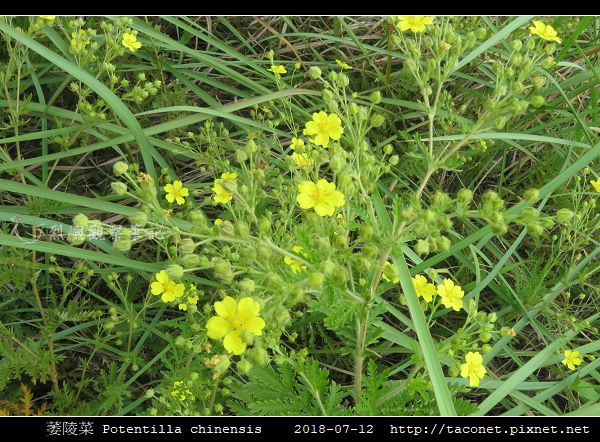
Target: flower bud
[(247, 285), (375, 97), (315, 280), (531, 195), (190, 260), (343, 80), (242, 229), (507, 331), (119, 188), (186, 245), (535, 229), (537, 101), (564, 216), (327, 267), (80, 220), (119, 168), (394, 160), (174, 271), (138, 218), (422, 247), (314, 72), (365, 232), (122, 244)]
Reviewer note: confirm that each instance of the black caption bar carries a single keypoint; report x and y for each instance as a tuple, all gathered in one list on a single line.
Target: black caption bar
[(91, 428)]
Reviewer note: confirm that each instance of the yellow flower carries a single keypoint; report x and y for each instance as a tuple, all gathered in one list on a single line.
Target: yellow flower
[(321, 196), (296, 266), (222, 196), (596, 184), (232, 319), (218, 222), (341, 221), (130, 42), (545, 32), (302, 160), (413, 22), (164, 286), (192, 299), (424, 289), (451, 294), (183, 307), (572, 359), (296, 142), (176, 192), (324, 127), (48, 17), (473, 368), (278, 69), (389, 274), (342, 64)]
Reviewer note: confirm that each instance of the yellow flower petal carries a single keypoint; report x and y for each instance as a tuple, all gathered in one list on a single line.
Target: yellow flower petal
[(233, 343), (217, 327)]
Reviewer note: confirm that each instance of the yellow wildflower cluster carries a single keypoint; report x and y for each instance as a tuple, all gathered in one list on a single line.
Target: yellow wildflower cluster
[(233, 320), (321, 196), (166, 287), (473, 368), (545, 32), (294, 264), (176, 192), (324, 127), (130, 41), (572, 359), (278, 69), (413, 23), (222, 194)]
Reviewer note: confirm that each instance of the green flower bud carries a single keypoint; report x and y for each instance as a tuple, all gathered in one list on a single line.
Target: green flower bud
[(247, 285), (492, 317), (369, 250), (507, 331), (222, 270), (327, 267), (517, 45), (363, 265), (341, 241), (241, 155), (122, 244), (422, 247), (564, 216), (242, 229), (264, 225), (340, 276), (375, 97), (315, 280), (243, 366), (481, 33), (537, 101), (486, 348), (394, 160), (190, 260), (538, 82), (174, 271), (327, 94), (443, 243), (76, 238), (119, 188), (314, 72), (332, 76), (80, 220), (500, 123), (251, 147), (535, 229), (186, 245), (263, 252), (531, 195), (464, 196), (138, 219), (530, 44), (343, 80), (365, 232), (258, 355), (485, 337), (119, 168), (273, 281), (548, 63), (322, 244), (388, 149)]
